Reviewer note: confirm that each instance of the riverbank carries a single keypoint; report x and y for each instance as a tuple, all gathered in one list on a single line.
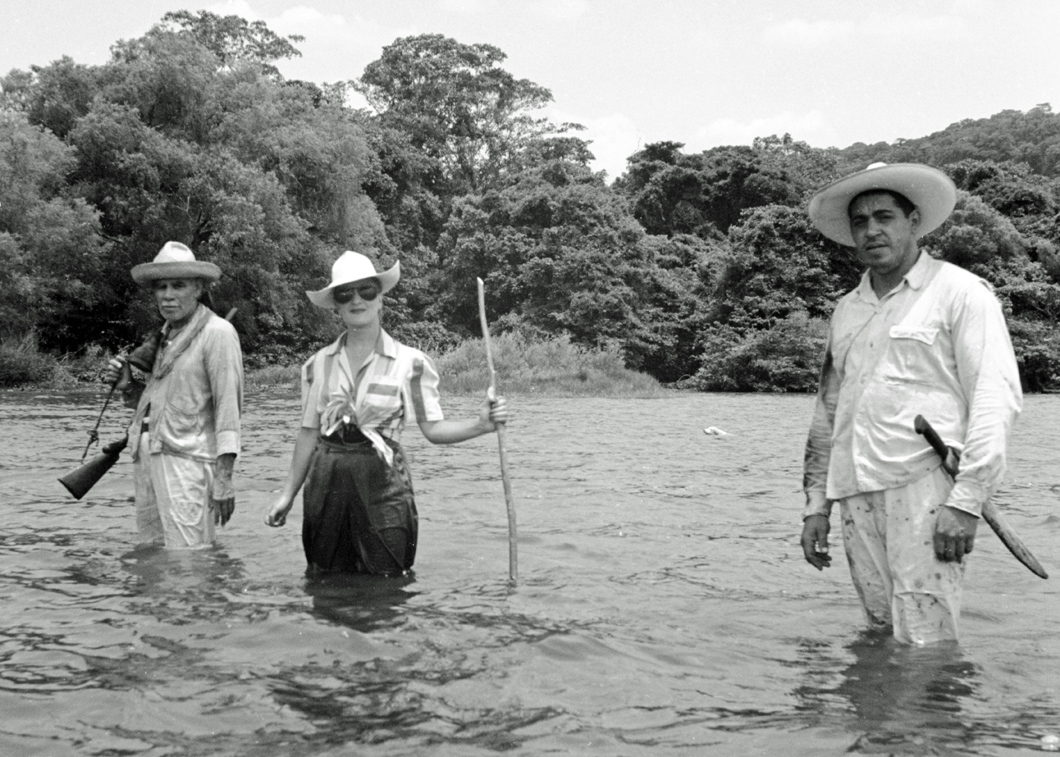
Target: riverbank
[(23, 365), (554, 367)]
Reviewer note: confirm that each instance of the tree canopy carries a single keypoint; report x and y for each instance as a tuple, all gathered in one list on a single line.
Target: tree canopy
[(699, 268)]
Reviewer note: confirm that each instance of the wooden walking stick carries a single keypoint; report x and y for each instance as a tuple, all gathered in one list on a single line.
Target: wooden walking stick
[(513, 571)]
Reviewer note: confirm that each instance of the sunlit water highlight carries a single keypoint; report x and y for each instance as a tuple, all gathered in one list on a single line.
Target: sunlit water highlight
[(663, 606)]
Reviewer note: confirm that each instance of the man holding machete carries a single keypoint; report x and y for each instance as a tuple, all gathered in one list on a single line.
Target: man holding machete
[(917, 336)]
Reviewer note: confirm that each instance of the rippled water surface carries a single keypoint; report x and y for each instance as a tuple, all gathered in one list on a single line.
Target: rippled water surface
[(663, 606)]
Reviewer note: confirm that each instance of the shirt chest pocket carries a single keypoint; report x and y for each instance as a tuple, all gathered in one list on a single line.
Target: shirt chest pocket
[(916, 333), (188, 391), (912, 354), (383, 395)]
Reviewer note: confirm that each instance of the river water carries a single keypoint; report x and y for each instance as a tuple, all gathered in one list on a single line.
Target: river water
[(663, 605)]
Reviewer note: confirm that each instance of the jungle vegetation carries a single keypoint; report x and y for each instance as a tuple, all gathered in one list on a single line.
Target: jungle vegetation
[(698, 269)]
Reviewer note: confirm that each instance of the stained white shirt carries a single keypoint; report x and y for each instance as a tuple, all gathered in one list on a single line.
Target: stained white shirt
[(936, 345)]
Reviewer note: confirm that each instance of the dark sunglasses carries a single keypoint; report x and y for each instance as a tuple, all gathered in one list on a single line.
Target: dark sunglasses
[(342, 295)]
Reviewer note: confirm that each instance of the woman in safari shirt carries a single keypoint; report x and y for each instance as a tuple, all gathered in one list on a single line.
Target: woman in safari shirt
[(357, 395)]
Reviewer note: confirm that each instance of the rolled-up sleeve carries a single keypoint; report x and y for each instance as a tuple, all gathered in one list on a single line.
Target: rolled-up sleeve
[(310, 395), (425, 400), (224, 366), (989, 377), (819, 442)]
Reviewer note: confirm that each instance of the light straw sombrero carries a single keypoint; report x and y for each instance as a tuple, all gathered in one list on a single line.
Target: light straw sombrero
[(932, 191), (175, 261)]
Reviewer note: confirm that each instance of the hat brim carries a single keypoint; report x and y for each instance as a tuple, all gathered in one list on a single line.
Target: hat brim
[(932, 191), (388, 279), (192, 269)]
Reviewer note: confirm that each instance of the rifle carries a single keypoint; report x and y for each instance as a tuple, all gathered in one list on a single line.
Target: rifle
[(950, 459), (80, 481)]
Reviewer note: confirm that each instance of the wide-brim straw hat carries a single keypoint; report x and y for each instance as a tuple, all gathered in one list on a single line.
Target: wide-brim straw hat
[(352, 267), (175, 261), (932, 191)]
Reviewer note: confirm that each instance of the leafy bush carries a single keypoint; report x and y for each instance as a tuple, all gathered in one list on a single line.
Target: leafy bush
[(1037, 346), (786, 358)]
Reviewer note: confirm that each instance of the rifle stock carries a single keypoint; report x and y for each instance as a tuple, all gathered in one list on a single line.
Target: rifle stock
[(80, 481)]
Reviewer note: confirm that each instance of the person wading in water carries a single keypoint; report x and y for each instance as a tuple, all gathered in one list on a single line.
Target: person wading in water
[(357, 395), (184, 436), (917, 336)]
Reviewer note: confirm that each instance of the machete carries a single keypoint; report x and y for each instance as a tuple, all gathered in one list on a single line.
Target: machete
[(990, 513)]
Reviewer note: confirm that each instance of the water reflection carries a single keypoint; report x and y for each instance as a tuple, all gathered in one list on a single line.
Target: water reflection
[(182, 586), (363, 603), (904, 699), (661, 586)]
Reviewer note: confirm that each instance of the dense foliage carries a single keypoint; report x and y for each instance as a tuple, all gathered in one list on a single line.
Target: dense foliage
[(700, 269)]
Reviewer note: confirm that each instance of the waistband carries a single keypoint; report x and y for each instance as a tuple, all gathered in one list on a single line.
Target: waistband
[(334, 444)]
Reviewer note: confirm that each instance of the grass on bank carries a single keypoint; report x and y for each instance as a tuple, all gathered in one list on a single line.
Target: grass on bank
[(555, 367), (23, 364), (552, 367)]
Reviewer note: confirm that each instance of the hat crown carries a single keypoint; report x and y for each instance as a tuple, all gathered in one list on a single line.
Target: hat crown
[(351, 266), (175, 252)]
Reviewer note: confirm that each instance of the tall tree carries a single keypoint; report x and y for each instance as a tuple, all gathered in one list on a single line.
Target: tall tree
[(234, 39), (53, 263), (457, 106), (252, 173)]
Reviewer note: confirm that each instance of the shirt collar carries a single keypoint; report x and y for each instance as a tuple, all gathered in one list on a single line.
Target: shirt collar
[(917, 276), (196, 315), (384, 344), (922, 271)]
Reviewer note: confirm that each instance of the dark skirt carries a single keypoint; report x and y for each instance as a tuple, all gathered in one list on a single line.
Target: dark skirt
[(360, 515)]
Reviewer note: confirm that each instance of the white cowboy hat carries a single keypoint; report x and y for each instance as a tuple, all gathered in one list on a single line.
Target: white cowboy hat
[(349, 268), (928, 188), (175, 261)]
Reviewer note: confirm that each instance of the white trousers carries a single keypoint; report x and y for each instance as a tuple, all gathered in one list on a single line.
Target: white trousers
[(889, 541), (173, 500)]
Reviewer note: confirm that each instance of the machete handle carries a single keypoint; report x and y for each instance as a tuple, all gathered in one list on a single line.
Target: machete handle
[(944, 451), (924, 428)]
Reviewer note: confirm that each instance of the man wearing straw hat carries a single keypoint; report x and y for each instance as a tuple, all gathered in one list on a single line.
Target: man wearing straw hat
[(917, 336), (184, 436)]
